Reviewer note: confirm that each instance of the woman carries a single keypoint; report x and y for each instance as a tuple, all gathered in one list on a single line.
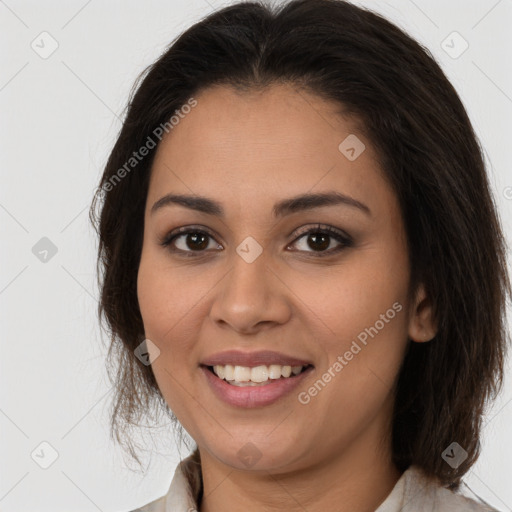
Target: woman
[(302, 260)]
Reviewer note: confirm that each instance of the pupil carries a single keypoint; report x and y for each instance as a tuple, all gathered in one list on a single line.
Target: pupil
[(315, 238), (195, 237)]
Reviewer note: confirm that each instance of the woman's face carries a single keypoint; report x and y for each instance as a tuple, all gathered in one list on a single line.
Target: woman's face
[(259, 282)]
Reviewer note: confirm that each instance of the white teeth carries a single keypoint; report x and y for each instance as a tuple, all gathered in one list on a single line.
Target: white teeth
[(244, 375), (220, 371), (286, 371), (229, 372), (259, 374), (274, 371)]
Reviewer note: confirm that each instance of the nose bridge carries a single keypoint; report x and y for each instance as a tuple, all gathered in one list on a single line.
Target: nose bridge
[(248, 280), (250, 292)]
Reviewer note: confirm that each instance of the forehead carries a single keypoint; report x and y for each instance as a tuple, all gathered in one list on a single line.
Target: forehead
[(279, 141)]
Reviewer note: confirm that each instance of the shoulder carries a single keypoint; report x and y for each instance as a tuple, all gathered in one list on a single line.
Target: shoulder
[(184, 491), (422, 494)]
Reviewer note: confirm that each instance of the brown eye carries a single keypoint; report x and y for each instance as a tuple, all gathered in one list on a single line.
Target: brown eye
[(318, 241), (319, 238), (195, 241), (189, 240)]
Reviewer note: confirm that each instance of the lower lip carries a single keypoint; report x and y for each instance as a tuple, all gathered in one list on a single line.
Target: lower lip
[(253, 396)]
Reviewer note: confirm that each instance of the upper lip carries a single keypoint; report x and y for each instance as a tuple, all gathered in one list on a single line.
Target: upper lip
[(251, 359)]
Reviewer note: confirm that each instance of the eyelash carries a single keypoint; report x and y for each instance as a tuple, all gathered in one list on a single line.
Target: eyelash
[(339, 236)]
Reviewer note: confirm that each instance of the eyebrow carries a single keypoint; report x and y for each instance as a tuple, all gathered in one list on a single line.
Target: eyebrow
[(282, 208)]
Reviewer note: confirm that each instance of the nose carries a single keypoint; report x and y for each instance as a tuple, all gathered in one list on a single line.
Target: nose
[(251, 297)]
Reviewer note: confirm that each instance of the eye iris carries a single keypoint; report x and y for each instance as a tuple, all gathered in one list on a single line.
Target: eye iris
[(195, 237), (315, 238)]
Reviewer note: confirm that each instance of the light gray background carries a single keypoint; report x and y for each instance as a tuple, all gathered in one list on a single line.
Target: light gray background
[(59, 118)]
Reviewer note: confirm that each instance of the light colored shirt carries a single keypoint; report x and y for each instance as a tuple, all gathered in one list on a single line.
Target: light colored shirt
[(413, 492)]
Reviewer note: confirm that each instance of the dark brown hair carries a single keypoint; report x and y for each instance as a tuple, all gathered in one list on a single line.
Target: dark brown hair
[(428, 151)]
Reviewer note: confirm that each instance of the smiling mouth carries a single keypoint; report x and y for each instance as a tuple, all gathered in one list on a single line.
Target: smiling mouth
[(262, 375)]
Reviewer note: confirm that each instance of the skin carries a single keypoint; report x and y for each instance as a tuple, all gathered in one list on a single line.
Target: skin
[(248, 151)]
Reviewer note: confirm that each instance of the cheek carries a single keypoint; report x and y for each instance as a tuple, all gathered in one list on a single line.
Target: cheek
[(172, 303), (165, 305), (361, 318), (165, 293), (361, 360), (353, 296), (162, 300)]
